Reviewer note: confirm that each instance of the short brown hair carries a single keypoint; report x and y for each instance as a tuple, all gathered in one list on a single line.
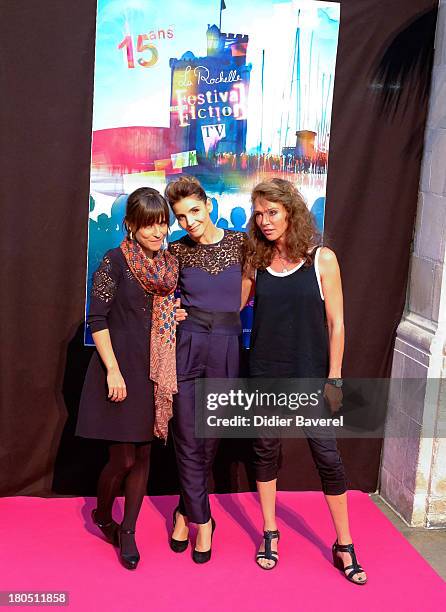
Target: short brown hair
[(301, 234), (145, 206), (184, 187)]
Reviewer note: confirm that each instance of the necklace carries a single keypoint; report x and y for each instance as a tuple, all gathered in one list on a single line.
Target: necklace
[(283, 261)]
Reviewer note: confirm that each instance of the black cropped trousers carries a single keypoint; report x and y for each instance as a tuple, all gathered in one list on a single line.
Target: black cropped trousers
[(325, 456)]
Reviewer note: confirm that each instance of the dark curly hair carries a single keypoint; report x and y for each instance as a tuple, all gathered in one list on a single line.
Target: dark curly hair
[(301, 234)]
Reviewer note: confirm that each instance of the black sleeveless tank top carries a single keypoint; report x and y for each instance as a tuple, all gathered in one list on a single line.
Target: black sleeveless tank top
[(289, 336)]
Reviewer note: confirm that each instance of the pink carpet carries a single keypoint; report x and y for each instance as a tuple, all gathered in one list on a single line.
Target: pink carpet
[(51, 544)]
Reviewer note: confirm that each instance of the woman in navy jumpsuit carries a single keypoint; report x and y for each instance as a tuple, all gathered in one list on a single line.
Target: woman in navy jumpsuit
[(211, 262)]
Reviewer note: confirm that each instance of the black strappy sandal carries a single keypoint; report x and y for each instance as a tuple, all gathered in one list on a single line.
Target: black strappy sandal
[(130, 562), (354, 567), (110, 530), (269, 554), (177, 546)]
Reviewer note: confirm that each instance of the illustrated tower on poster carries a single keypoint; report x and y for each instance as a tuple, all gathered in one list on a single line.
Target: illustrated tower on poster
[(305, 143), (209, 95)]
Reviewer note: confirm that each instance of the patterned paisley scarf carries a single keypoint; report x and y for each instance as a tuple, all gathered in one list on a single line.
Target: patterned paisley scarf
[(158, 276)]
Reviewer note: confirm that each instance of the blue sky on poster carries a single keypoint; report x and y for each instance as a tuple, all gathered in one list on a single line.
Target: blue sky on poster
[(141, 95)]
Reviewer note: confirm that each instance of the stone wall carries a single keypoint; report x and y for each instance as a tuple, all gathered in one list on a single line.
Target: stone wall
[(413, 470)]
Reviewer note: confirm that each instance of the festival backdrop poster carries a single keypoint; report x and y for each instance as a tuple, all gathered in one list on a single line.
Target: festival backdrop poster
[(232, 92)]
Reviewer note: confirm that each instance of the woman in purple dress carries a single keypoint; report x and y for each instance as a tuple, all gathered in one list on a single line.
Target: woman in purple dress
[(211, 261), (131, 378)]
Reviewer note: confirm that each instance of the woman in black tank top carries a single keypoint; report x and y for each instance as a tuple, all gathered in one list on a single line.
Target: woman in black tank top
[(298, 332)]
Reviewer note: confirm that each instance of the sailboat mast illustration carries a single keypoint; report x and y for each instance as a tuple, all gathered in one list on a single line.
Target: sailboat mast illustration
[(292, 99)]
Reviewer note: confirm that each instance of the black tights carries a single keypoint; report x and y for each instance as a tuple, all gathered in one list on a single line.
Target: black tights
[(127, 467)]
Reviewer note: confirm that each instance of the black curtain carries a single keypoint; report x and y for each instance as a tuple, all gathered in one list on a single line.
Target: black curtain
[(380, 101)]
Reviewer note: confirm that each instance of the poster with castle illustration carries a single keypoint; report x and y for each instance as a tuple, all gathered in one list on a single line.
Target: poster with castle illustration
[(232, 92)]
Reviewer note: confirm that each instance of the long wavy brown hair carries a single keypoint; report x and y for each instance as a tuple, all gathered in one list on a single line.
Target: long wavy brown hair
[(301, 234)]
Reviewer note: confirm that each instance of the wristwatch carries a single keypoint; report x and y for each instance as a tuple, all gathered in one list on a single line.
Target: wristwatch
[(336, 382)]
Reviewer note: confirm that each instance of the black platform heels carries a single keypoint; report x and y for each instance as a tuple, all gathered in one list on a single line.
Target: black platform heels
[(204, 557), (339, 563), (129, 561), (110, 530), (177, 546)]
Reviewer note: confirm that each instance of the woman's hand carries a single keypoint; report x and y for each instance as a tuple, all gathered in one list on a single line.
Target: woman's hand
[(334, 396), (117, 391), (180, 313), (116, 384)]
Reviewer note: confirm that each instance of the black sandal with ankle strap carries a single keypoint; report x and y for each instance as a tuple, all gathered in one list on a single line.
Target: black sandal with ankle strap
[(110, 530), (339, 563), (269, 554), (130, 562)]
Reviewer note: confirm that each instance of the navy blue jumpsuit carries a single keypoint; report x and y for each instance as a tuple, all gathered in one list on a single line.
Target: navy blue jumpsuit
[(207, 347)]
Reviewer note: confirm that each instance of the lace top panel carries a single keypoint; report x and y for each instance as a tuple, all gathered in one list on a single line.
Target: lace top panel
[(212, 258), (104, 285)]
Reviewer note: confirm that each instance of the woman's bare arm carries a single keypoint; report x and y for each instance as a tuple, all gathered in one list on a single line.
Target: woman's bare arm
[(332, 290), (248, 286)]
